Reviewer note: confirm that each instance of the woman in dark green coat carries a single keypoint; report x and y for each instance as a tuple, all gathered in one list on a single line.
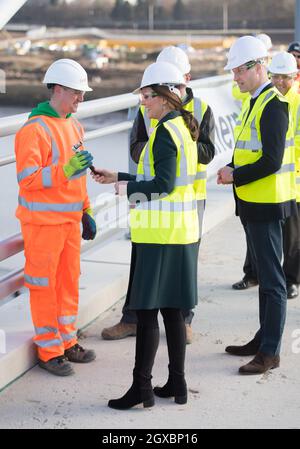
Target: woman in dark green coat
[(163, 274)]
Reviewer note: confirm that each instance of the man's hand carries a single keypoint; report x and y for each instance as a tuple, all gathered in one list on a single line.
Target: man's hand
[(104, 176), (224, 175), (89, 227), (77, 163)]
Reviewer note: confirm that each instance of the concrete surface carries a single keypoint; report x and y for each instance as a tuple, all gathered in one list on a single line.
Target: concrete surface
[(218, 396)]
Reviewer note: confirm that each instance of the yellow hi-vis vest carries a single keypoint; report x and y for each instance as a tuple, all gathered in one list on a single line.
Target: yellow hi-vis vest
[(277, 187), (293, 98), (198, 108), (168, 218)]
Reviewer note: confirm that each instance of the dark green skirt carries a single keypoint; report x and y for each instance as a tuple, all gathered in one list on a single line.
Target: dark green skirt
[(163, 276)]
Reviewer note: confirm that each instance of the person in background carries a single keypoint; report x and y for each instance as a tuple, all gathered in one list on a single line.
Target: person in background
[(53, 201), (283, 71), (142, 128), (263, 175), (164, 232), (294, 49)]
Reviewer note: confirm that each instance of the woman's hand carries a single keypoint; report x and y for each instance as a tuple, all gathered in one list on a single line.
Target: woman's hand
[(104, 176), (121, 188)]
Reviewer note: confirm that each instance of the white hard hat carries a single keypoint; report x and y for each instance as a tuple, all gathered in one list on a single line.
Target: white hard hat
[(162, 73), (176, 56), (68, 73), (245, 49), (283, 63), (266, 40)]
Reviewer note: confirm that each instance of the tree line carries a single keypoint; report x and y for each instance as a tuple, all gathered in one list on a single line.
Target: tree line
[(187, 14)]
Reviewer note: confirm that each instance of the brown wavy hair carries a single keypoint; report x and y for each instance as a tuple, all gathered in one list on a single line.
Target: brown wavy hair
[(175, 104)]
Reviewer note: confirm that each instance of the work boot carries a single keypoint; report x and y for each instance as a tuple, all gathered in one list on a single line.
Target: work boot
[(58, 366), (292, 291), (260, 364), (250, 348), (244, 284), (119, 331), (77, 354), (189, 334)]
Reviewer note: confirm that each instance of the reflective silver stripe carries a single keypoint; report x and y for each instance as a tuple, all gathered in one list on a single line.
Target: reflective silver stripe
[(46, 176), (140, 177), (248, 145), (67, 337), (297, 133), (67, 319), (42, 282), (255, 145), (286, 168), (48, 343), (146, 162), (26, 172), (147, 122), (45, 330), (51, 207), (184, 178), (198, 109), (54, 148), (168, 206), (201, 175), (298, 180)]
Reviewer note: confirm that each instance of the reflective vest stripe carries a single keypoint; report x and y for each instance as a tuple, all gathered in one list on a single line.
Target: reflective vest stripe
[(51, 207), (45, 330), (46, 176), (67, 337), (48, 343), (286, 168), (66, 319), (255, 145), (197, 110), (54, 148), (41, 282), (201, 175), (26, 172), (168, 206)]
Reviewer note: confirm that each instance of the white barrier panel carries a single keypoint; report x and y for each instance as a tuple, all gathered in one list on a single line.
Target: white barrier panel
[(226, 110)]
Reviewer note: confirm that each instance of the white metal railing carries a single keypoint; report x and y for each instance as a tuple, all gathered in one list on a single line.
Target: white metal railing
[(12, 281)]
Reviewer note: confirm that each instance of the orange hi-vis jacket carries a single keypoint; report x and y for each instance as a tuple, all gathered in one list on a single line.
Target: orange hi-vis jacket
[(47, 197)]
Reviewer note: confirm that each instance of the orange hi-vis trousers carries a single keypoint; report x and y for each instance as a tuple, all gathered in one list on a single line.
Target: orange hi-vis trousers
[(52, 270)]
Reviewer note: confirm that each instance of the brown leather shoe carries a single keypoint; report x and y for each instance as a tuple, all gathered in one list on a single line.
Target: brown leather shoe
[(119, 331), (189, 334), (250, 348), (260, 364), (244, 284)]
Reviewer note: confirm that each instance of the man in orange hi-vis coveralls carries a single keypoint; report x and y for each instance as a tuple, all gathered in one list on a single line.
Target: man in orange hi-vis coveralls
[(52, 201)]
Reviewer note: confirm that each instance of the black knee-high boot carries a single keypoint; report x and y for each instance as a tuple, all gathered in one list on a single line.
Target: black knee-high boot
[(176, 384), (141, 391)]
